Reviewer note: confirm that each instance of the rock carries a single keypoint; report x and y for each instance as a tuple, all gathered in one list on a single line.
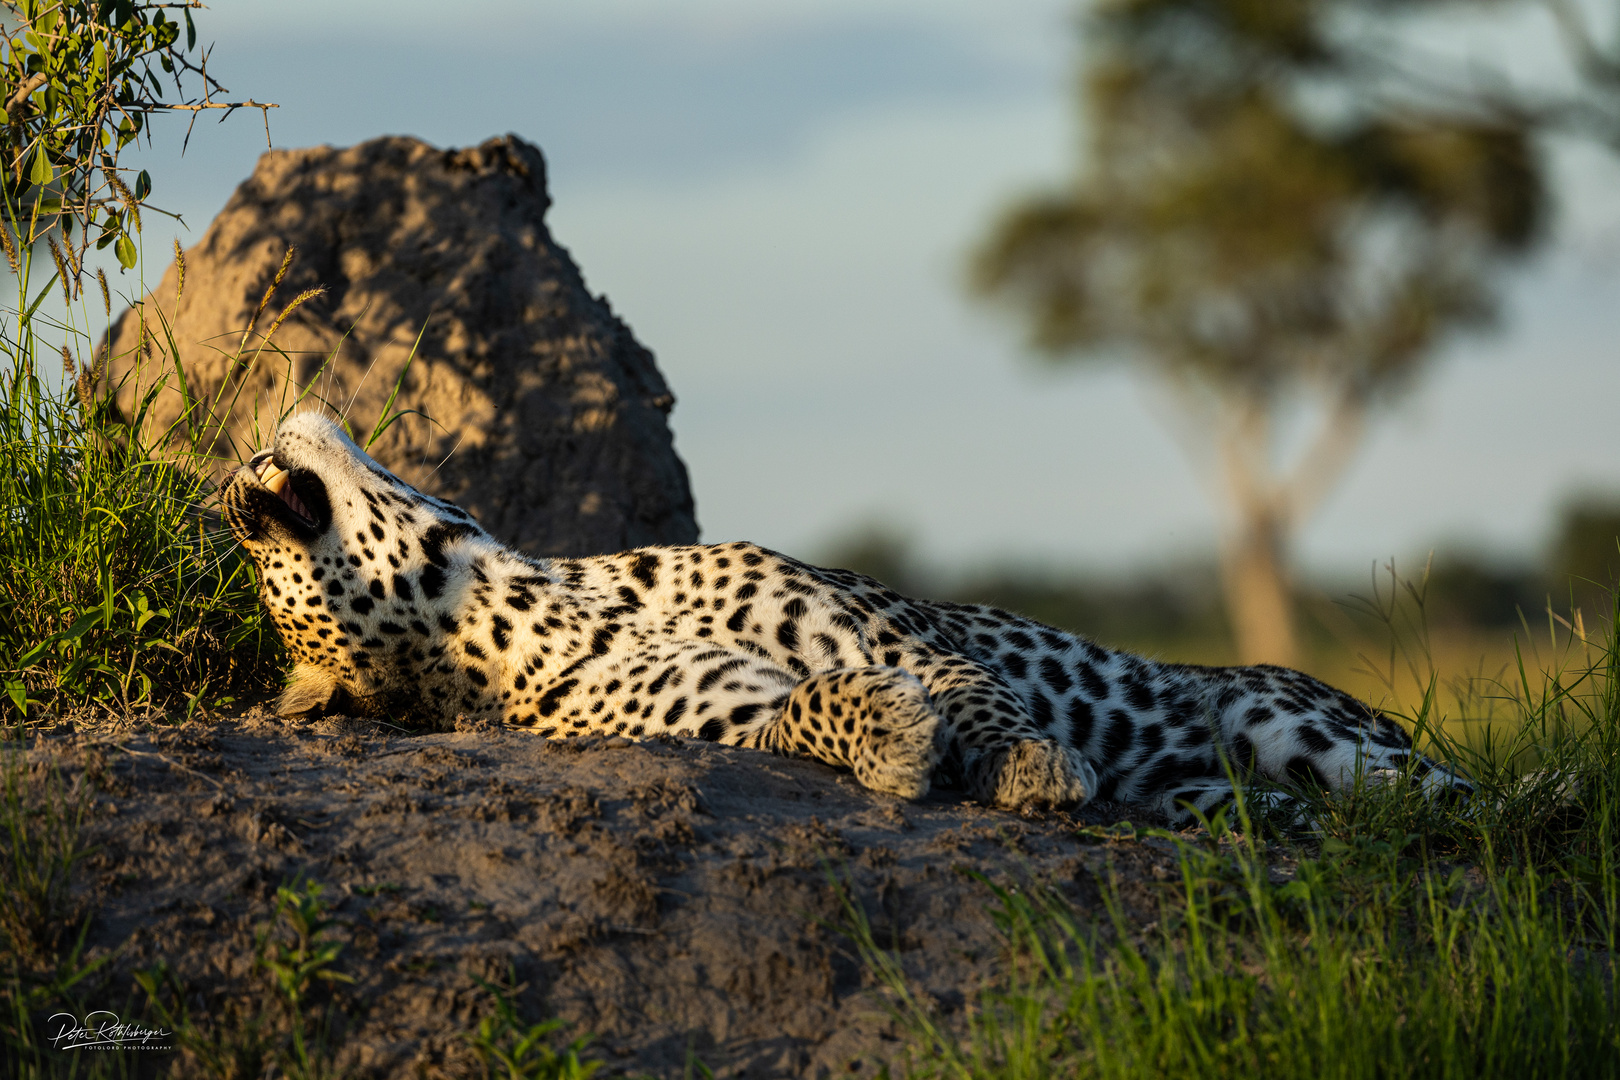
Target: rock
[(529, 402)]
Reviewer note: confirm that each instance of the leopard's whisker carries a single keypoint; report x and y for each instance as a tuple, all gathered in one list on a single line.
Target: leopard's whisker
[(446, 458), (348, 407)]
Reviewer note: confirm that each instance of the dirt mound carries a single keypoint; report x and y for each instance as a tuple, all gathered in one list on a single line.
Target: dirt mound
[(669, 896), (542, 414)]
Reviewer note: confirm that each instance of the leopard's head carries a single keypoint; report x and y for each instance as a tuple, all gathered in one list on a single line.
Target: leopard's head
[(354, 564)]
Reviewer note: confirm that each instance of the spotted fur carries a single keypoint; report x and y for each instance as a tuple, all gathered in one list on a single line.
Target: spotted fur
[(394, 602)]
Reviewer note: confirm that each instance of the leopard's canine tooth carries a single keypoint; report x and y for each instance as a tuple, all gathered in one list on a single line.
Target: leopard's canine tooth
[(275, 479)]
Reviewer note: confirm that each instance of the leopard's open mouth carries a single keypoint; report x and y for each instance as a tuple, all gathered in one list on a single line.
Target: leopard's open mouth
[(279, 482), (295, 495)]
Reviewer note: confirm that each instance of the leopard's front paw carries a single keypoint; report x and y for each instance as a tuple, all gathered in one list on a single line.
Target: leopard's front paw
[(900, 741), (1033, 772)]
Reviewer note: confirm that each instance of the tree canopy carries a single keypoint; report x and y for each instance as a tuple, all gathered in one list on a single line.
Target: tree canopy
[(1254, 223)]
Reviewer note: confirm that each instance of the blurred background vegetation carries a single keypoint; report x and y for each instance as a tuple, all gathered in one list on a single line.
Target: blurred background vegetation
[(1178, 611), (1284, 208), (1460, 613)]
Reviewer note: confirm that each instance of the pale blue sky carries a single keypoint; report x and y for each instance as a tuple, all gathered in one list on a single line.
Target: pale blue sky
[(779, 197)]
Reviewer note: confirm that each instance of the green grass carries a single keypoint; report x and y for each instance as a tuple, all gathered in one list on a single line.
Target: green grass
[(296, 1035), (509, 1048), (1404, 939), (119, 588), (1385, 967), (1383, 971)]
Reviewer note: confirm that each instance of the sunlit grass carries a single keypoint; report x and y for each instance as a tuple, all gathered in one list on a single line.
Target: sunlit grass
[(119, 587), (1364, 964)]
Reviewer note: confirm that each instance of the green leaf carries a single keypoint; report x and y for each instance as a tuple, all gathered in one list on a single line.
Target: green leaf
[(42, 173), (18, 694), (72, 633), (124, 247), (191, 32), (1295, 890)]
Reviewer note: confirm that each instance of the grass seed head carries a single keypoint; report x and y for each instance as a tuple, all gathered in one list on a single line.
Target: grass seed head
[(281, 272), (286, 261), (83, 381), (93, 375), (11, 248), (180, 268), (307, 294), (61, 269), (70, 251), (106, 292), (127, 197)]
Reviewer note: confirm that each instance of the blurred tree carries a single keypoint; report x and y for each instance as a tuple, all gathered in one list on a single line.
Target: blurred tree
[(1590, 34), (1585, 560), (1270, 239)]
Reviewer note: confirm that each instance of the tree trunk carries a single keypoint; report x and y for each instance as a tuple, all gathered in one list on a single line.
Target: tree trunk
[(1259, 601), (1266, 504)]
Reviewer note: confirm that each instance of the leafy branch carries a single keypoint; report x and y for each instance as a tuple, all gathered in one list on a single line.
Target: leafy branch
[(79, 81)]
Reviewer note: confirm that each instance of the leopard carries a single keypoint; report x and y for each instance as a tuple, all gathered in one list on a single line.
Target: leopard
[(394, 603)]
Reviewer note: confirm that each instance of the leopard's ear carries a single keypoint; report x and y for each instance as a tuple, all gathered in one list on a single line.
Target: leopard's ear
[(309, 689)]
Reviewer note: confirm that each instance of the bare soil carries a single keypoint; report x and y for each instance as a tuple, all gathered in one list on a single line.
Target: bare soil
[(672, 898)]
